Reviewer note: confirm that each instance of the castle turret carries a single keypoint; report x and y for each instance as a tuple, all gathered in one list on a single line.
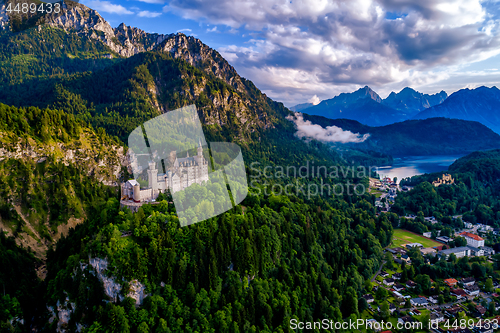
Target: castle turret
[(137, 193), (153, 176), (199, 156)]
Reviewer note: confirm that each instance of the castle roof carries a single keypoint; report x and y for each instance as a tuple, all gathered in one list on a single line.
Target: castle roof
[(132, 182), (187, 160)]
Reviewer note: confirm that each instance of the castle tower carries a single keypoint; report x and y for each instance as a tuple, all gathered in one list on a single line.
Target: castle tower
[(199, 156), (153, 177), (137, 193)]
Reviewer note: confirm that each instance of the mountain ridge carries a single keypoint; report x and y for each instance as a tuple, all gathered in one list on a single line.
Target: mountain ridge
[(359, 105), (481, 104), (405, 138)]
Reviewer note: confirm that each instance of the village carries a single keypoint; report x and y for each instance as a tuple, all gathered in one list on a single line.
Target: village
[(424, 300), (438, 301), (398, 297)]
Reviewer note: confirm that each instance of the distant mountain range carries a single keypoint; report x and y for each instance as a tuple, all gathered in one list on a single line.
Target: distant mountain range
[(405, 138), (481, 104), (412, 101), (366, 106)]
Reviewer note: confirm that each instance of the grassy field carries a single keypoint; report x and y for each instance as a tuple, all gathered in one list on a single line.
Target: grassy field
[(402, 237)]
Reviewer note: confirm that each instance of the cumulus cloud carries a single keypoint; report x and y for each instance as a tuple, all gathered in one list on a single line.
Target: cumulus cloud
[(307, 129), (327, 47), (107, 7)]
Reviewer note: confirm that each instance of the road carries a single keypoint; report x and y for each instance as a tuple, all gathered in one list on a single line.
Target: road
[(378, 272)]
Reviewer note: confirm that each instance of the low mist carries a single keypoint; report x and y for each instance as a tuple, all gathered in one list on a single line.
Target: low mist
[(306, 128)]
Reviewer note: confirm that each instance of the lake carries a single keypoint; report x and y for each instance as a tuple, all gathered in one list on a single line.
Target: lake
[(416, 165)]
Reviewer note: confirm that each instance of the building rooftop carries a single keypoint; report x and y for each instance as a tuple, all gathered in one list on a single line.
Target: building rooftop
[(468, 234), (419, 300), (459, 292), (455, 250), (472, 288), (450, 281)]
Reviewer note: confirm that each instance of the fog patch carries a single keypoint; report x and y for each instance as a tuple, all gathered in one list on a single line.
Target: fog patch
[(306, 129)]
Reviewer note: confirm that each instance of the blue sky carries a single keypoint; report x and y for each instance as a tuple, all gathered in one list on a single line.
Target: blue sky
[(309, 50)]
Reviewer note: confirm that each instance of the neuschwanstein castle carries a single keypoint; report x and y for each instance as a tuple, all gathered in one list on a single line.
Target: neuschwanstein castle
[(185, 172)]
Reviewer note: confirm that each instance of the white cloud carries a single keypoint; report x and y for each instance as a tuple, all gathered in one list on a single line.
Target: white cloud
[(307, 129), (147, 13), (184, 30), (107, 7), (158, 2), (314, 100), (324, 47)]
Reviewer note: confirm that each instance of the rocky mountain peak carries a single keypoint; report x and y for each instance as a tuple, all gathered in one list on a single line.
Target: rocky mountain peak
[(124, 40), (128, 41)]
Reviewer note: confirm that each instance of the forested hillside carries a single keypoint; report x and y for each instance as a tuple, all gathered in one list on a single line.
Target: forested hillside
[(250, 270), (475, 194), (52, 166), (74, 101), (418, 137)]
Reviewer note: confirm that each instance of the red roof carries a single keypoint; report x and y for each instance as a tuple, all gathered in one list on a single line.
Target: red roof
[(459, 292), (468, 234), (450, 282)]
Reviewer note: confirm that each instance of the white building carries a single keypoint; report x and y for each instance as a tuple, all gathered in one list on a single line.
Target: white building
[(459, 252), (185, 172), (473, 240)]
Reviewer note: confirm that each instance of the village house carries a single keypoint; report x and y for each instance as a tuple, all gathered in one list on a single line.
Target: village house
[(472, 290), (433, 300), (419, 301), (383, 274), (453, 311), (444, 239), (410, 284), (437, 317), (398, 287), (389, 282), (406, 258), (369, 298), (405, 319), (458, 292), (468, 281), (480, 310), (451, 282)]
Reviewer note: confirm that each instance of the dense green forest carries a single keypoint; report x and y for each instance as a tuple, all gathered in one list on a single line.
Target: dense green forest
[(270, 259), (22, 296), (475, 194), (252, 269), (43, 181), (36, 55)]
